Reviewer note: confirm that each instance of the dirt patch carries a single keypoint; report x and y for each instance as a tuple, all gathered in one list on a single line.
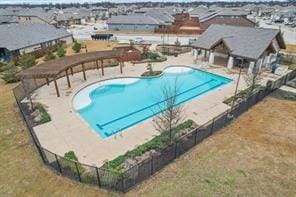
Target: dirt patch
[(92, 45)]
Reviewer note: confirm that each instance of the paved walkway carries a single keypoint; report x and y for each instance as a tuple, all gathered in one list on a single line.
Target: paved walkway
[(68, 131)]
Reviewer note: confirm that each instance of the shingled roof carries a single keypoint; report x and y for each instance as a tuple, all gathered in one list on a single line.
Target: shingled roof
[(133, 19), (246, 42), (22, 35)]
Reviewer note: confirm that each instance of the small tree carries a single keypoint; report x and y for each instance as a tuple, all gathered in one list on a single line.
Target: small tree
[(61, 52), (9, 74), (170, 114), (252, 80), (76, 47), (150, 68), (27, 61), (49, 55), (152, 55)]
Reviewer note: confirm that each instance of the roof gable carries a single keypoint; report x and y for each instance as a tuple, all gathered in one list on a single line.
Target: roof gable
[(247, 42)]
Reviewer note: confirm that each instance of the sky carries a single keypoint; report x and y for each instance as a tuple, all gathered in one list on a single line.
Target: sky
[(94, 1)]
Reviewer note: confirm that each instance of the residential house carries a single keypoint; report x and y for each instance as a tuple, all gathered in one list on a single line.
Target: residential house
[(8, 19), (20, 38), (132, 23), (200, 18), (143, 20)]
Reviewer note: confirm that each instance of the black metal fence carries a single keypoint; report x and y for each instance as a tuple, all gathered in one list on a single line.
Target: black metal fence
[(123, 182)]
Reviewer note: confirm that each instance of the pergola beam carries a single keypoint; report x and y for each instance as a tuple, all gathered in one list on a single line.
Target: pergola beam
[(50, 71)]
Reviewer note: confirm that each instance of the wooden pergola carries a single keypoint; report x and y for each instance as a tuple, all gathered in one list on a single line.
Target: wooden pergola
[(52, 69)]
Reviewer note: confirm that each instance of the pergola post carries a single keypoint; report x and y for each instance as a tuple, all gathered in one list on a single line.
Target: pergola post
[(212, 57), (56, 87), (68, 80), (47, 81), (102, 66), (120, 67), (35, 82), (83, 70), (71, 69), (230, 62), (97, 64)]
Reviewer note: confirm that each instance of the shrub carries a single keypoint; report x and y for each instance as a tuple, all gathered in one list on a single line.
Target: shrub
[(243, 94), (157, 143), (27, 61), (69, 162), (152, 55), (61, 52), (71, 156), (150, 74), (76, 47), (49, 56), (45, 117), (9, 73)]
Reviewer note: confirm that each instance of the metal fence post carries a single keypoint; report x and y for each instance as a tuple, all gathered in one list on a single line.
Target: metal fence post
[(98, 177), (122, 184), (60, 169), (151, 160), (78, 173), (195, 136), (176, 150), (212, 127)]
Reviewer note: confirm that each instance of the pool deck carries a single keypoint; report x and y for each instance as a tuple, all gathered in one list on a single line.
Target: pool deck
[(68, 131)]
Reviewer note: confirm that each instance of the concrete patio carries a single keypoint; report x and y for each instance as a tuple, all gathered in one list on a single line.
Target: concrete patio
[(68, 131)]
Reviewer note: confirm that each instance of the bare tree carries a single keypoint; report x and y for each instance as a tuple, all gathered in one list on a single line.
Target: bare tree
[(252, 80), (170, 114)]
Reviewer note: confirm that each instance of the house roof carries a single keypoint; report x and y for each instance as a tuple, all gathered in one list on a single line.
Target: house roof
[(246, 42), (18, 36), (132, 19)]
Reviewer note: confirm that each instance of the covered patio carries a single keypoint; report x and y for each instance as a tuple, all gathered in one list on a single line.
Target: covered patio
[(52, 70), (232, 46)]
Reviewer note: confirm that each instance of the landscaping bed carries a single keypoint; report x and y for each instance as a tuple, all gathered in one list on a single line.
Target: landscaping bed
[(243, 94), (151, 74), (38, 116), (148, 149)]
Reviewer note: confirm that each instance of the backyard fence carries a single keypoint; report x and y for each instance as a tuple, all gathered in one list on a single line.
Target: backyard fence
[(124, 181), (286, 59)]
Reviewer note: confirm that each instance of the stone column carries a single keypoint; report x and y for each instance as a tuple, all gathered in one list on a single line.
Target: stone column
[(195, 54), (259, 63), (251, 67), (268, 58), (211, 58), (230, 62)]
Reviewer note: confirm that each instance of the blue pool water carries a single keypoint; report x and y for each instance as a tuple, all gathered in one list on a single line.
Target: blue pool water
[(115, 106)]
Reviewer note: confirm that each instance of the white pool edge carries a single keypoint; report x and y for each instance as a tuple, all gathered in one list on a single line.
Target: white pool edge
[(82, 98)]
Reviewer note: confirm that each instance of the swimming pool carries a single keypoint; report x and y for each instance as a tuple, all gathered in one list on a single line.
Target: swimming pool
[(111, 106)]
